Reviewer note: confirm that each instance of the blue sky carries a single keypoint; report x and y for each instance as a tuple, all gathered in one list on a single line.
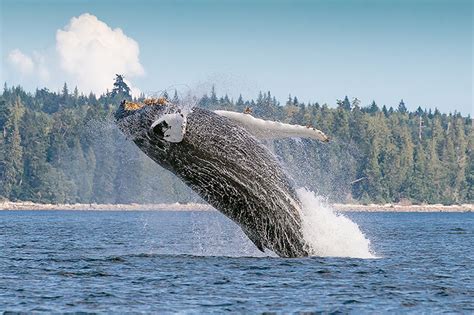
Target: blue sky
[(383, 50)]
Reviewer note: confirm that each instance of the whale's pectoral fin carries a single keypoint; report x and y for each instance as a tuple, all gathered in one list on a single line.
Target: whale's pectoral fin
[(266, 129), (255, 240), (170, 127)]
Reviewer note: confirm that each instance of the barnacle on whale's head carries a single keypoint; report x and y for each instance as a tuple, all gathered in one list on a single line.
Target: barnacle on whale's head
[(127, 108), (127, 105), (156, 101)]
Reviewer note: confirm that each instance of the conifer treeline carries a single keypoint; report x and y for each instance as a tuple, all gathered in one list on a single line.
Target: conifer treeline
[(63, 147)]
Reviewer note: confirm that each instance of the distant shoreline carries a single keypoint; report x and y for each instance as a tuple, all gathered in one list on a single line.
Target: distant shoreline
[(26, 205)]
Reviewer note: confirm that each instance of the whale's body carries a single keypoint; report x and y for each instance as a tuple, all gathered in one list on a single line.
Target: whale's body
[(231, 170)]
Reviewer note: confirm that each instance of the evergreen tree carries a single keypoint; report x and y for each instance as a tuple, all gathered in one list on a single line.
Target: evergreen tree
[(419, 181), (41, 182), (469, 175), (373, 108), (213, 99), (12, 166), (240, 105), (346, 104), (289, 102), (341, 124), (402, 108), (121, 90), (4, 115), (65, 91)]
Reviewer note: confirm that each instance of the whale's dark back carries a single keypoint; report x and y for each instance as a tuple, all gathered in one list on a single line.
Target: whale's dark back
[(237, 175)]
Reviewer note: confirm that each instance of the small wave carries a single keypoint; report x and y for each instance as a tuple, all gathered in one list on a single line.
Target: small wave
[(328, 233), (81, 274), (457, 230)]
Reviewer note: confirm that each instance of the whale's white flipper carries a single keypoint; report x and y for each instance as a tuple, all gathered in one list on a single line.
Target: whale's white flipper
[(171, 127), (266, 129)]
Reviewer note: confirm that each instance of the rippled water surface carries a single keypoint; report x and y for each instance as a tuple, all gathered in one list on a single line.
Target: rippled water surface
[(199, 262)]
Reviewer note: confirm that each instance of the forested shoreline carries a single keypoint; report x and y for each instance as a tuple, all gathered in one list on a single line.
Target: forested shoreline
[(62, 147)]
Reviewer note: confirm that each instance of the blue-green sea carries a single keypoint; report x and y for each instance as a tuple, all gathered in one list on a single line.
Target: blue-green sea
[(200, 262)]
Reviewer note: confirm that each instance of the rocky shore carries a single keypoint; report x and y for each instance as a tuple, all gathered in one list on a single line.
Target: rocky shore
[(403, 208), (26, 205)]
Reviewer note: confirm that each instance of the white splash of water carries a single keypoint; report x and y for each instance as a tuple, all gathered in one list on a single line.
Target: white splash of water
[(331, 234)]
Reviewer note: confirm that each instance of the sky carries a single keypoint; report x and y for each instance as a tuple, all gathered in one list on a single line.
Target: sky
[(420, 51)]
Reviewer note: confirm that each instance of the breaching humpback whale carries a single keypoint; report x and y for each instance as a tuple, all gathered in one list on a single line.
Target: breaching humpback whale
[(219, 155)]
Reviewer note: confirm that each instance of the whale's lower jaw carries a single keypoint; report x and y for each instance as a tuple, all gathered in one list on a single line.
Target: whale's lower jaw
[(238, 176), (270, 226)]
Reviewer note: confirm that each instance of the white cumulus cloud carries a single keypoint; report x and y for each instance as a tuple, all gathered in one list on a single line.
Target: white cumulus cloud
[(21, 62), (29, 67), (92, 53)]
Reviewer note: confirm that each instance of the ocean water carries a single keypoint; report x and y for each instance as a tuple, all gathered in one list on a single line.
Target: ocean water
[(200, 262)]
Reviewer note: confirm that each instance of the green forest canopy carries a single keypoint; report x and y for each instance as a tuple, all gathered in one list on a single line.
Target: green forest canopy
[(63, 148)]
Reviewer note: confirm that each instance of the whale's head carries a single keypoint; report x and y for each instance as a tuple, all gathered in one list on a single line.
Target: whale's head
[(155, 119)]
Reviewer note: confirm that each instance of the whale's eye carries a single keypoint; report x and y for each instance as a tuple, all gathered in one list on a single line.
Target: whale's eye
[(159, 129), (170, 127)]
